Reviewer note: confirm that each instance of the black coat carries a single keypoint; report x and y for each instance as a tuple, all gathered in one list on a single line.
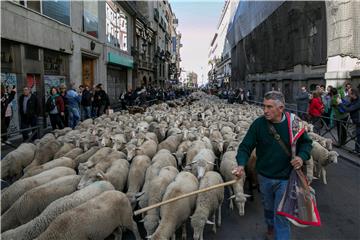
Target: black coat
[(32, 106), (86, 98)]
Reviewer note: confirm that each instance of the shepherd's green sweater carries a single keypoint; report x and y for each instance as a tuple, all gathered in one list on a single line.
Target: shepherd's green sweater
[(272, 161)]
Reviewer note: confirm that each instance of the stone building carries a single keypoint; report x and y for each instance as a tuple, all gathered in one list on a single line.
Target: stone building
[(286, 44)]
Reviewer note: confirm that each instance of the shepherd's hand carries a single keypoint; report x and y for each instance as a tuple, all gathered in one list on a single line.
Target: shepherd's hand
[(297, 162), (238, 171)]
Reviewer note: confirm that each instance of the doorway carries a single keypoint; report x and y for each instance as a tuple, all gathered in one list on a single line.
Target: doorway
[(88, 71)]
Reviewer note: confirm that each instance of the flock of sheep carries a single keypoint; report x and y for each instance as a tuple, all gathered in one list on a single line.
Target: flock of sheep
[(85, 183)]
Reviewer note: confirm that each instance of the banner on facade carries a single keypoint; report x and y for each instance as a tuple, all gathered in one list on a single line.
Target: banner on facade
[(9, 80)]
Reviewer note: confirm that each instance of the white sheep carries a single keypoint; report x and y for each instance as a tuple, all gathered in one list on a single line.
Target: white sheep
[(74, 153), (207, 204), (203, 162), (60, 162), (86, 155), (94, 219), (175, 214), (44, 153), (39, 224), (17, 189), (136, 177), (34, 201), (322, 157), (181, 151), (156, 190), (325, 142), (228, 164), (171, 143), (67, 147), (147, 148), (14, 162)]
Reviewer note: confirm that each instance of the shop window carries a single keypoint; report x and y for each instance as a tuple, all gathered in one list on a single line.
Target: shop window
[(91, 18), (58, 10), (34, 5), (118, 22), (32, 53)]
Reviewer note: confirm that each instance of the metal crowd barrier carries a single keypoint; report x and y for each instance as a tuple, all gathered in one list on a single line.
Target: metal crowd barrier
[(37, 133)]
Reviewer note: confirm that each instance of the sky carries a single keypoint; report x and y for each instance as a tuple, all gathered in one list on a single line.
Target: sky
[(197, 23)]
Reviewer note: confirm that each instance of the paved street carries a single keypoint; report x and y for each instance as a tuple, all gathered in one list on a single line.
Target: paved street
[(338, 204)]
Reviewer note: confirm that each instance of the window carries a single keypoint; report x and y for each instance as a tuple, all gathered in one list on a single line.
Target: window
[(32, 53), (118, 21), (34, 5), (91, 18), (58, 10)]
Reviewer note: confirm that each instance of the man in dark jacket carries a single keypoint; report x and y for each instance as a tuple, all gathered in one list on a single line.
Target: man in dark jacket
[(354, 109), (274, 162), (29, 111), (86, 102), (102, 100), (302, 101)]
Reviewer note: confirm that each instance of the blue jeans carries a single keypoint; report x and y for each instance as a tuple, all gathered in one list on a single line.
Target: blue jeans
[(272, 191), (74, 116), (86, 112)]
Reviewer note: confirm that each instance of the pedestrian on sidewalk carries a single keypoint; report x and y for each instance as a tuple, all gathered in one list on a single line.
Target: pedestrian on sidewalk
[(302, 101), (269, 134), (55, 108), (73, 101), (316, 109), (354, 109), (29, 111), (65, 118), (102, 100), (7, 96), (86, 102), (340, 116)]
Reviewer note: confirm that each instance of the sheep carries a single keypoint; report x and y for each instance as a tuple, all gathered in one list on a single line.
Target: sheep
[(325, 142), (162, 159), (34, 201), (322, 157), (95, 158), (14, 162), (228, 163), (119, 141), (203, 162), (74, 153), (86, 155), (61, 132), (207, 204), (217, 142), (17, 189), (45, 139), (171, 143), (156, 190), (174, 214), (94, 219), (181, 151), (194, 149), (116, 173), (44, 153), (39, 224), (148, 148), (67, 147), (60, 162), (136, 177)]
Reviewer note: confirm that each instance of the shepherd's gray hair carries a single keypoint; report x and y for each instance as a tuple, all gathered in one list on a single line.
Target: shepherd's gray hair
[(278, 97)]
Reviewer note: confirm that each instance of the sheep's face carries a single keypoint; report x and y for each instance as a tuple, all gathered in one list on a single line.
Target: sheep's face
[(198, 224), (105, 141), (131, 153), (328, 144), (91, 176), (240, 201), (151, 222), (179, 157), (333, 157)]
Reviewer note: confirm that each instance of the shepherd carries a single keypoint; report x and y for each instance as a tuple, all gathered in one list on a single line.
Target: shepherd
[(272, 135)]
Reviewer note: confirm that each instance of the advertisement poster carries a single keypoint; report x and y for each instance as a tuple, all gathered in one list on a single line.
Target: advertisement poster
[(52, 81), (9, 80)]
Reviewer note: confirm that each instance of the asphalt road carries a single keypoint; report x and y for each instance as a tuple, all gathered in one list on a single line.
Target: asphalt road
[(338, 204)]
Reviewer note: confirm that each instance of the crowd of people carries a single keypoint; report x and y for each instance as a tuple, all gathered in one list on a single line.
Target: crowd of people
[(148, 95), (65, 107), (331, 106)]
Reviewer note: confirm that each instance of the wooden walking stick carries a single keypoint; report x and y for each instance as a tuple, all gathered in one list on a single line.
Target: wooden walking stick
[(137, 212)]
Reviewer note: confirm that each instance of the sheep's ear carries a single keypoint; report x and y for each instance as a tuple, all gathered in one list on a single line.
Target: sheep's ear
[(139, 194), (233, 196), (100, 175), (209, 222)]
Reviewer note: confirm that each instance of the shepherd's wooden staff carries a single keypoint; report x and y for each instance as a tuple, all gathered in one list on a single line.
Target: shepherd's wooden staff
[(137, 212)]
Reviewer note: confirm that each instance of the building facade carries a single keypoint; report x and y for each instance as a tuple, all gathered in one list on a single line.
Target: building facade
[(284, 45)]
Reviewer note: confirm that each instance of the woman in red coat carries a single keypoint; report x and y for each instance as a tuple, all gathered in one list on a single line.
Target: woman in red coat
[(55, 108), (316, 109)]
